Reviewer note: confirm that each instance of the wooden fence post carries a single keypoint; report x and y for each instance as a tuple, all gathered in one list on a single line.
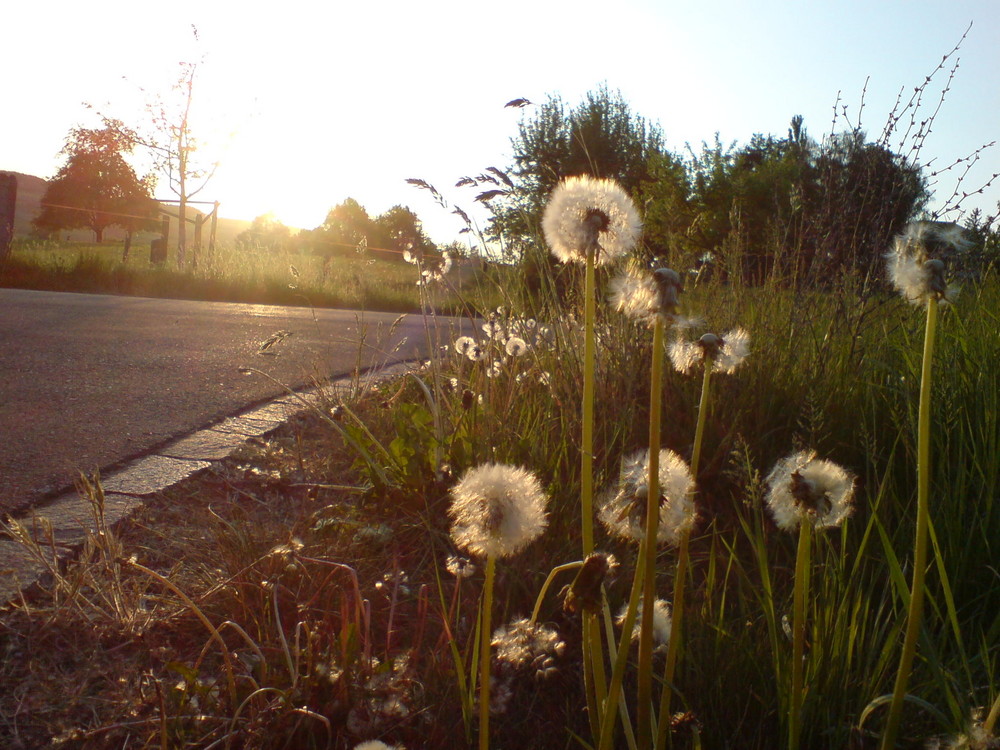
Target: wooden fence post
[(8, 197)]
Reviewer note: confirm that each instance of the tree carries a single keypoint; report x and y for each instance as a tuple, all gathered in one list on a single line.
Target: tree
[(174, 148), (96, 187), (399, 229), (600, 137), (265, 232)]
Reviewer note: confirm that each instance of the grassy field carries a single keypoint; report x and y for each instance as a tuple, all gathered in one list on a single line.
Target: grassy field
[(309, 592), (231, 274)]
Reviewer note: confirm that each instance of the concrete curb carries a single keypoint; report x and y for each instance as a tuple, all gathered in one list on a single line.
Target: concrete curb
[(65, 521)]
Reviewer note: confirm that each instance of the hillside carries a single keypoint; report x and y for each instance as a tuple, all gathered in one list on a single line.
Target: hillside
[(30, 190)]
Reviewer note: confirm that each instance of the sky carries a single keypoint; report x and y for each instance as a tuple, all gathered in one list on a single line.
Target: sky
[(305, 104)]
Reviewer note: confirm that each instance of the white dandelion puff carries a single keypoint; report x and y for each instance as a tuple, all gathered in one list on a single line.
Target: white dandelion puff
[(726, 352), (516, 346), (661, 622), (497, 509), (645, 295), (806, 488), (463, 344), (460, 567), (586, 215), (623, 506)]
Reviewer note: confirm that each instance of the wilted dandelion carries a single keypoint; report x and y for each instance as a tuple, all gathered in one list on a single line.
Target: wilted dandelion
[(527, 645), (590, 216), (623, 507), (804, 488), (916, 265), (661, 622), (917, 260)]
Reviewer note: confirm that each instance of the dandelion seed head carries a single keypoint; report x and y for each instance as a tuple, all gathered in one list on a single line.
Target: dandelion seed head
[(493, 329), (523, 645), (661, 622), (586, 214), (805, 488), (916, 262), (477, 353), (497, 509), (623, 506), (516, 346), (463, 344), (460, 567), (684, 355)]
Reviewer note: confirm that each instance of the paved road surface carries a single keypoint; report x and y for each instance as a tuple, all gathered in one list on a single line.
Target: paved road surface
[(87, 381)]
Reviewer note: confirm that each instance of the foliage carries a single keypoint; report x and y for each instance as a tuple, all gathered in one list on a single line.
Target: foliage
[(348, 227), (600, 137), (265, 232), (96, 187)]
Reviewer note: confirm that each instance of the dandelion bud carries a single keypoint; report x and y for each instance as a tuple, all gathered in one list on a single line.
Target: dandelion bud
[(468, 399)]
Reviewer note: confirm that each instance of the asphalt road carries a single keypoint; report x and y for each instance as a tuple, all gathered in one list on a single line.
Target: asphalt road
[(87, 381)]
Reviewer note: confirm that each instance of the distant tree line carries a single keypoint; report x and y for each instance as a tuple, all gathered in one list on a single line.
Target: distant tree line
[(787, 206)]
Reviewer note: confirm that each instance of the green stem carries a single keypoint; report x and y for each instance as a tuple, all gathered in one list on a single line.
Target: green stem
[(485, 630), (648, 561), (587, 449), (621, 659), (802, 575), (915, 611), (994, 714), (548, 582), (680, 576)]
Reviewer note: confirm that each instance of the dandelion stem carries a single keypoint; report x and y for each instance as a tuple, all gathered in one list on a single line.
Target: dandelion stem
[(548, 582), (915, 611), (802, 576), (621, 659), (587, 449), (484, 655), (680, 575), (647, 567)]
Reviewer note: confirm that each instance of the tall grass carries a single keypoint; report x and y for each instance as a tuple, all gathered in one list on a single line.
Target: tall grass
[(832, 371), (234, 274)]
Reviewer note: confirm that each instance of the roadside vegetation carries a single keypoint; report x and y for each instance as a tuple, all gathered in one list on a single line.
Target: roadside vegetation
[(234, 273), (725, 486)]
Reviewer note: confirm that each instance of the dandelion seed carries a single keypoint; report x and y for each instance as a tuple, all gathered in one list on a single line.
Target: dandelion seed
[(805, 488), (623, 507), (497, 509), (661, 623), (587, 215)]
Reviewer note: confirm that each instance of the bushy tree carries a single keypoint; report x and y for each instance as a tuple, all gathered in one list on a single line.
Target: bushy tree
[(97, 188), (265, 232), (601, 137)]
